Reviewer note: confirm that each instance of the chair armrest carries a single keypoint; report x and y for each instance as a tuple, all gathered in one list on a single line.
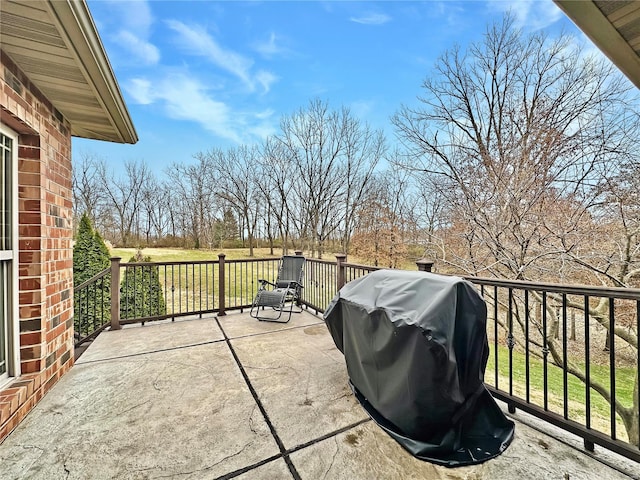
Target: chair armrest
[(264, 282)]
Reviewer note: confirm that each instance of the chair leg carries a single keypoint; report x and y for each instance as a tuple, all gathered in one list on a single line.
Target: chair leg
[(279, 308)]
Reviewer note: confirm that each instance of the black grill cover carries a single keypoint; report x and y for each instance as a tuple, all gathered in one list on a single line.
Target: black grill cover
[(416, 349)]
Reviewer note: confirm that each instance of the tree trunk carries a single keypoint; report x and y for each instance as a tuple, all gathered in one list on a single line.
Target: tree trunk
[(573, 326), (556, 325), (631, 418)]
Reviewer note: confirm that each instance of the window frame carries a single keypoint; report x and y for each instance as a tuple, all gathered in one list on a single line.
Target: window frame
[(10, 293)]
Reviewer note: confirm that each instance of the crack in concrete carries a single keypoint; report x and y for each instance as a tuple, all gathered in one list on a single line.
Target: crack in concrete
[(333, 459), (134, 407), (251, 421), (156, 380), (34, 447), (209, 467), (344, 395)]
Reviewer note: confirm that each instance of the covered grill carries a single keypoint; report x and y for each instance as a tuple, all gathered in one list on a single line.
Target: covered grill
[(416, 349)]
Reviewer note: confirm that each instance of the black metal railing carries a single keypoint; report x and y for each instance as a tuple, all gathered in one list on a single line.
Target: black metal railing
[(553, 354), (91, 307), (159, 290), (550, 356), (550, 352), (319, 281)]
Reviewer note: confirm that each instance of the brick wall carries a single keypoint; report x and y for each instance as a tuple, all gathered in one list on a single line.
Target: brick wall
[(45, 287)]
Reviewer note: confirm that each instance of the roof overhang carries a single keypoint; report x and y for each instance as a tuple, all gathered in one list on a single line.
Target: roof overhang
[(56, 44), (614, 27)]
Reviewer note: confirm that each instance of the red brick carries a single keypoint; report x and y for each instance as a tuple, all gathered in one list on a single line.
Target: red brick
[(29, 244), (31, 153), (28, 163), (45, 236), (15, 395), (5, 412), (30, 353), (26, 231), (30, 366), (29, 283), (30, 338), (29, 256), (25, 192), (56, 332), (29, 298), (30, 311), (29, 179), (29, 218), (29, 205)]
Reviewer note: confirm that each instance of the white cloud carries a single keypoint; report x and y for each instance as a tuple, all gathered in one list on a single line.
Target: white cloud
[(199, 42), (529, 14), (140, 90), (270, 48), (144, 51), (131, 23), (372, 19), (262, 124), (265, 114), (183, 97), (265, 79), (134, 15)]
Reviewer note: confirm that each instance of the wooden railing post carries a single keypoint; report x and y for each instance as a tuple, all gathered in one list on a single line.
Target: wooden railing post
[(115, 293), (341, 258), (221, 285), (425, 265)]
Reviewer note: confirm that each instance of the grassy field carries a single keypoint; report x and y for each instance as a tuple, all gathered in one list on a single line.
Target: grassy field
[(600, 409), (195, 287), (187, 255)]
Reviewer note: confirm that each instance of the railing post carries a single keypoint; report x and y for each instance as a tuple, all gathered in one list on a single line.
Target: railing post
[(221, 285), (425, 265), (115, 293), (341, 258)]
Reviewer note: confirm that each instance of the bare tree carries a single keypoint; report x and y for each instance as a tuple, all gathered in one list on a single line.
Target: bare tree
[(194, 200), (312, 141), (275, 188), (383, 221), (362, 151), (88, 190), (522, 130), (237, 184), (125, 194), (155, 210), (512, 127), (329, 157)]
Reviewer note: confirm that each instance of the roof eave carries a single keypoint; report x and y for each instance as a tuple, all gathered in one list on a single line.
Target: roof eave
[(588, 17), (79, 32)]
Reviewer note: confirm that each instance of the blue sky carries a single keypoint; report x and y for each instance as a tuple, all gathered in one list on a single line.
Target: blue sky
[(198, 75)]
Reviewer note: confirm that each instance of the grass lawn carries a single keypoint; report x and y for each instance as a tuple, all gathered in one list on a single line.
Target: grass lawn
[(186, 255), (600, 409)]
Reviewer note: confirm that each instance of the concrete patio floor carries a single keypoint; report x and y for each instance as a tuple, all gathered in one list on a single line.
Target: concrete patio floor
[(230, 397)]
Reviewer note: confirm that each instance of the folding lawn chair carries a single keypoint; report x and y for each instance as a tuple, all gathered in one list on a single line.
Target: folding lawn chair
[(282, 295)]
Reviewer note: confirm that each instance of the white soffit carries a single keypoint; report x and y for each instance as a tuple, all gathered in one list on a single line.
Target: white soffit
[(56, 44)]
